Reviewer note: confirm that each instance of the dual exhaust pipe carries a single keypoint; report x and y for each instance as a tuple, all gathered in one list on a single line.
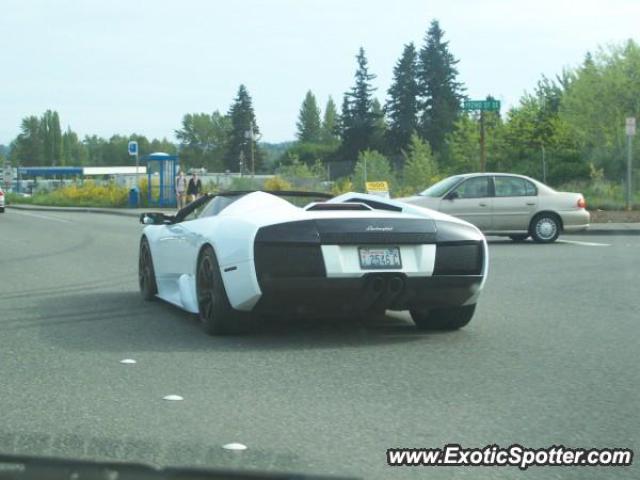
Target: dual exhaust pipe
[(381, 291)]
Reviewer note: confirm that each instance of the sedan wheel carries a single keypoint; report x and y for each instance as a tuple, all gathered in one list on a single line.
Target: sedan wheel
[(545, 228), (215, 311)]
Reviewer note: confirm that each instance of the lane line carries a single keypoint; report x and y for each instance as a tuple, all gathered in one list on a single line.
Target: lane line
[(585, 244), (55, 219)]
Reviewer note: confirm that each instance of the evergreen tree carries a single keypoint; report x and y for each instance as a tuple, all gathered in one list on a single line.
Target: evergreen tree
[(240, 146), (440, 92), (420, 168), (309, 120), (379, 126), (358, 119), (51, 137), (330, 123), (402, 106), (71, 148)]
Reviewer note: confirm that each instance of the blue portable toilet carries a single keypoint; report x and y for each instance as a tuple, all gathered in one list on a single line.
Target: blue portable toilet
[(164, 168)]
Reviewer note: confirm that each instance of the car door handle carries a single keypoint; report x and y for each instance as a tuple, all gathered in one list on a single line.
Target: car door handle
[(531, 203), (482, 204)]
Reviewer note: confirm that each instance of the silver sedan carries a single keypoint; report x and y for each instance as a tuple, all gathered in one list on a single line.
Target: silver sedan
[(505, 204)]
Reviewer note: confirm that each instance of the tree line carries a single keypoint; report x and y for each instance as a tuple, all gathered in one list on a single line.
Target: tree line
[(420, 132)]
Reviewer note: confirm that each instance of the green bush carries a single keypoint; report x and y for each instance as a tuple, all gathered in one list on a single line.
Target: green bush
[(89, 194)]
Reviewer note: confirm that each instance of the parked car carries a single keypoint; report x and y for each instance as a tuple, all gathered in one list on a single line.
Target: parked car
[(2, 200), (504, 204)]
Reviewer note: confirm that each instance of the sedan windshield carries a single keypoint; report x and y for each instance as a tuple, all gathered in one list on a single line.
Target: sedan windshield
[(440, 188)]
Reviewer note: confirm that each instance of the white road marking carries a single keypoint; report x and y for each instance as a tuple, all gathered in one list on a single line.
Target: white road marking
[(585, 244), (30, 214), (234, 446), (128, 361), (173, 398)]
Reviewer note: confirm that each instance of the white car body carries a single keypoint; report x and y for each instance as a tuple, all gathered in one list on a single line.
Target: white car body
[(233, 232)]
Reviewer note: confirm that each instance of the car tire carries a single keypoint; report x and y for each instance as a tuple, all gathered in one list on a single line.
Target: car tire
[(146, 273), (545, 228), (1, 209), (518, 238), (216, 314), (451, 318)]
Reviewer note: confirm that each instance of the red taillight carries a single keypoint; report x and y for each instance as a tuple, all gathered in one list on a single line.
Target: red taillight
[(582, 203), (1, 193)]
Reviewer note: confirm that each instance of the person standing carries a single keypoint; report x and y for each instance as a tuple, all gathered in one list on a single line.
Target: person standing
[(195, 188), (181, 190)]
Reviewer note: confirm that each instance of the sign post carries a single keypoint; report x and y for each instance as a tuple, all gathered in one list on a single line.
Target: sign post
[(630, 128), (482, 106), (132, 148)]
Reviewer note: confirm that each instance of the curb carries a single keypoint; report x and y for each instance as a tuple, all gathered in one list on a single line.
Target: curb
[(128, 213), (37, 208)]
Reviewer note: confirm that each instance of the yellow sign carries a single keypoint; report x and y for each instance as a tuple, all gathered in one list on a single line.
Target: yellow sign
[(377, 187)]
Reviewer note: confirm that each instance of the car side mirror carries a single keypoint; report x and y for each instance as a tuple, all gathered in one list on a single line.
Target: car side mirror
[(451, 195), (155, 218)]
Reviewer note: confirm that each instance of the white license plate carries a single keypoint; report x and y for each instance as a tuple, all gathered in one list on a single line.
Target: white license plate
[(379, 258)]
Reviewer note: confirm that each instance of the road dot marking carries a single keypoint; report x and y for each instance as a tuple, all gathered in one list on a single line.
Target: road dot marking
[(172, 398), (238, 447), (128, 361)]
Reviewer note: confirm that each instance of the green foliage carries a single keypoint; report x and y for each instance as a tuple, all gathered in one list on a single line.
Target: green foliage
[(240, 147), (204, 140), (420, 167), (245, 183), (86, 194), (602, 92), (330, 124), (309, 130), (439, 90), (302, 175), (463, 147), (342, 185), (402, 106), (276, 184), (309, 153), (358, 117), (372, 166)]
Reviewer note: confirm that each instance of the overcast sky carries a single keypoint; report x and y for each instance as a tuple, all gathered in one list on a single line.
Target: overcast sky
[(124, 66)]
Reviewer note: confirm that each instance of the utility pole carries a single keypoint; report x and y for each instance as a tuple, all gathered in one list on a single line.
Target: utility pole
[(631, 131), (488, 105), (483, 153)]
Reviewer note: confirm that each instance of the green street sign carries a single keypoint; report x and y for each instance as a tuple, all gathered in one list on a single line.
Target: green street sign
[(486, 105)]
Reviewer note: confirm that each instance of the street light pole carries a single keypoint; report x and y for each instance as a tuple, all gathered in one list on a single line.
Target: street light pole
[(630, 125), (629, 171)]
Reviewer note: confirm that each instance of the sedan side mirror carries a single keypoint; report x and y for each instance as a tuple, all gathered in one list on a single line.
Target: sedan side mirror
[(451, 195), (155, 218)]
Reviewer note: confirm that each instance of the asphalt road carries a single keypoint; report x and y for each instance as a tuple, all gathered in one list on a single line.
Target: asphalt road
[(551, 358)]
